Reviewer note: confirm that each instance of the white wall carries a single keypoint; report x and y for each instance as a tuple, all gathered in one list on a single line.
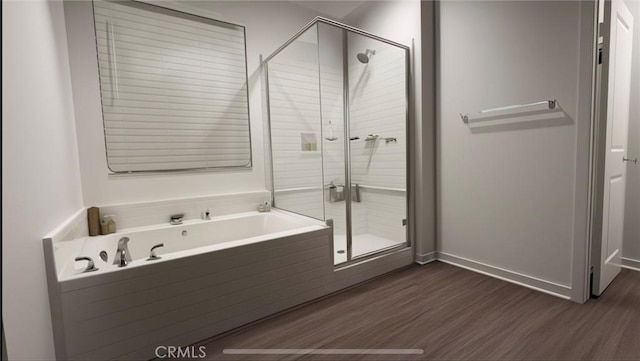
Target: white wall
[(511, 197), (268, 25), (631, 245), (40, 182)]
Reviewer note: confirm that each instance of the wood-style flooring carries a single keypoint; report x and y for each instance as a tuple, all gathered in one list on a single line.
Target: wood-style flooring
[(451, 314)]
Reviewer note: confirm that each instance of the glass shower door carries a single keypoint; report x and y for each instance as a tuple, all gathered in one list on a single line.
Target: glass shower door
[(378, 152)]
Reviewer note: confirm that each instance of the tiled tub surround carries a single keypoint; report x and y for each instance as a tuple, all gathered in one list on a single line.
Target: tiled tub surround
[(150, 213), (158, 212), (214, 275)]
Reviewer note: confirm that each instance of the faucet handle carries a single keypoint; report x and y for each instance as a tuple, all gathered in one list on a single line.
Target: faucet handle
[(90, 266), (152, 254)]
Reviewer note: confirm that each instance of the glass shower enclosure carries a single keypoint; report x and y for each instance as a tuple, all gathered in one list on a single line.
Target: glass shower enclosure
[(337, 102)]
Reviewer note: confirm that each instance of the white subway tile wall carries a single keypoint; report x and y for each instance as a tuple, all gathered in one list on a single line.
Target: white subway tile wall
[(149, 213), (294, 99)]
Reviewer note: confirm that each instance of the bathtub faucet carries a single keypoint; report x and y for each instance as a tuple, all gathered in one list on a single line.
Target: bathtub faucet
[(122, 253)]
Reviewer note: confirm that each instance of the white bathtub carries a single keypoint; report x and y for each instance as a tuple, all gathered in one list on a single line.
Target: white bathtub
[(222, 274), (188, 239)]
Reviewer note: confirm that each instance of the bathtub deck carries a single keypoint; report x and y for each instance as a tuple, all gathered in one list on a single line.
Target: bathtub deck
[(452, 313)]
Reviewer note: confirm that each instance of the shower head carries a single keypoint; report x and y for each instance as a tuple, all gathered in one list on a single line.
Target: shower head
[(366, 56), (363, 58)]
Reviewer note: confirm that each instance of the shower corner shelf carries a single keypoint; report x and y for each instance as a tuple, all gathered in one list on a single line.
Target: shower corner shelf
[(512, 111)]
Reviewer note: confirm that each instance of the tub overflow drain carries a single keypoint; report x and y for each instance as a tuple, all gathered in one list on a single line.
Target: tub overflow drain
[(184, 233)]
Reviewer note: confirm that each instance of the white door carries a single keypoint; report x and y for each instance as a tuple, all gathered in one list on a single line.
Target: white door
[(618, 96)]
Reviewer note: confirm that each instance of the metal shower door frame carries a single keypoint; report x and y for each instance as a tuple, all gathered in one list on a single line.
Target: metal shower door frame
[(409, 177)]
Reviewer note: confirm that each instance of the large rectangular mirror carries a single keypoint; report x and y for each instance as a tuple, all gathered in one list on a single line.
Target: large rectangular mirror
[(173, 89)]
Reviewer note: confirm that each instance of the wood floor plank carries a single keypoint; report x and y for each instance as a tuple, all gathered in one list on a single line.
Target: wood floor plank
[(451, 314)]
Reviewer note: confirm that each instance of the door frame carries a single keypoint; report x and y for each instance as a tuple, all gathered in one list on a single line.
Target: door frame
[(598, 147), (585, 151), (598, 151)]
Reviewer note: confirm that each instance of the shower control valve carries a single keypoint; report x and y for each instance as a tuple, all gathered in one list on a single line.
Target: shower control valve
[(176, 219)]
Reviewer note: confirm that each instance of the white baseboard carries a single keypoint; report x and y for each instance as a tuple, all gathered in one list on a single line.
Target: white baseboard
[(426, 258), (630, 263), (533, 283)]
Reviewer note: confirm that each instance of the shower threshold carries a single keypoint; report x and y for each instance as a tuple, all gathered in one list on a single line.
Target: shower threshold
[(362, 244)]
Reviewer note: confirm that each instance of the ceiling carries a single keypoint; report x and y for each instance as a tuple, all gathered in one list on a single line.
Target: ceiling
[(334, 9)]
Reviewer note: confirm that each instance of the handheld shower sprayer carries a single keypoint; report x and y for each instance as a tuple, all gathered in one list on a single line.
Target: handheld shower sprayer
[(331, 138)]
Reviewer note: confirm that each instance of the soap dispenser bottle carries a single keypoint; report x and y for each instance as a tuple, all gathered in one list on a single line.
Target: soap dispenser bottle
[(107, 225)]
